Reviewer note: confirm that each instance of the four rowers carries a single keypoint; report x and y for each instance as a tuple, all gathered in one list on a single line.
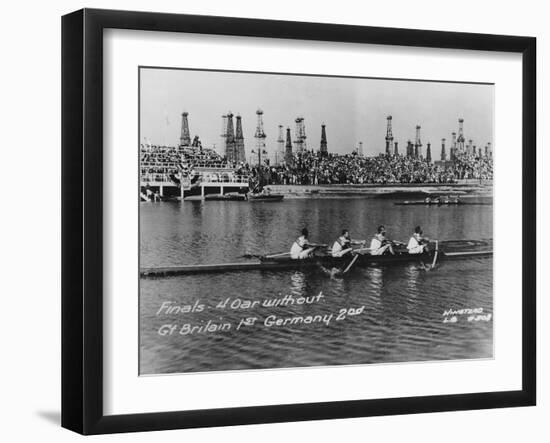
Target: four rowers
[(343, 245)]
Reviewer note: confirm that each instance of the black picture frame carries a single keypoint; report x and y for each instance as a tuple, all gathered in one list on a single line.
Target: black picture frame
[(82, 219)]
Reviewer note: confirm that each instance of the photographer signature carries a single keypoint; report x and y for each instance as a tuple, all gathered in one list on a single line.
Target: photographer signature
[(468, 314)]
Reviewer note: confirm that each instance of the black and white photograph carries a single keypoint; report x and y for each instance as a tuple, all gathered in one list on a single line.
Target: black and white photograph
[(294, 221), (275, 222)]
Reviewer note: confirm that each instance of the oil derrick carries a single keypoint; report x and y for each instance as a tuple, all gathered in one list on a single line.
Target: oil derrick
[(289, 159), (323, 148), (360, 149), (460, 141), (474, 150), (410, 149), (395, 149), (443, 153), (223, 147), (489, 150), (300, 141), (469, 147), (453, 147), (280, 154), (230, 139), (428, 153), (185, 138), (417, 143), (239, 142), (389, 136), (260, 136)]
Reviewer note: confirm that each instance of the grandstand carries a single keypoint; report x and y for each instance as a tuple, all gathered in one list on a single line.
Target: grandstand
[(312, 168), (169, 172)]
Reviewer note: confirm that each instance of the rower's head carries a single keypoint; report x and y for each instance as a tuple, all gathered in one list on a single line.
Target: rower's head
[(345, 233), (382, 230), (418, 230), (305, 232)]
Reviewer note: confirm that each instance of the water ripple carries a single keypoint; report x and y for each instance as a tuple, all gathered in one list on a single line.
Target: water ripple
[(402, 319)]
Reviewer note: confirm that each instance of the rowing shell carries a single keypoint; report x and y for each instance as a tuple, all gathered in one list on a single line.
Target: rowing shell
[(448, 250), (440, 203)]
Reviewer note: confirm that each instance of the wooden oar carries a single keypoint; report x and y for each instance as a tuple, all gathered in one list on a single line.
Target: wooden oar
[(362, 249), (350, 264), (278, 254), (250, 256), (435, 254)]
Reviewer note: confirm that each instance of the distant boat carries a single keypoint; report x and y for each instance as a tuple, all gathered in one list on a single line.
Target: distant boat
[(449, 203), (445, 200), (262, 194), (435, 200), (230, 196), (265, 197)]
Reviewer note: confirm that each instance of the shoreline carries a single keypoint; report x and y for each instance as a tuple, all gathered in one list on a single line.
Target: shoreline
[(467, 189), (398, 190)]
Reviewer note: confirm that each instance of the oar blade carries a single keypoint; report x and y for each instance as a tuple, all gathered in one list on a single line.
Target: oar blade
[(355, 257)]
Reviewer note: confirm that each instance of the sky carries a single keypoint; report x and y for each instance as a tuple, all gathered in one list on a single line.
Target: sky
[(353, 109)]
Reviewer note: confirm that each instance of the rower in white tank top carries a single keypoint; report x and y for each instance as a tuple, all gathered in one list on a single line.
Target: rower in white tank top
[(380, 244), (343, 245), (417, 243), (301, 248)]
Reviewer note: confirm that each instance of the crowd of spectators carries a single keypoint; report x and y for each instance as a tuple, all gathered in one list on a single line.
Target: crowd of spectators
[(168, 163), (311, 168), (471, 166), (159, 163)]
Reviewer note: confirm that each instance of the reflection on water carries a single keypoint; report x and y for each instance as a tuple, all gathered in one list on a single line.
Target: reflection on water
[(402, 317), (298, 284)]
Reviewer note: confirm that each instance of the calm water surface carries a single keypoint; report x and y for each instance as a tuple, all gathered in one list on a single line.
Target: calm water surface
[(402, 306)]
